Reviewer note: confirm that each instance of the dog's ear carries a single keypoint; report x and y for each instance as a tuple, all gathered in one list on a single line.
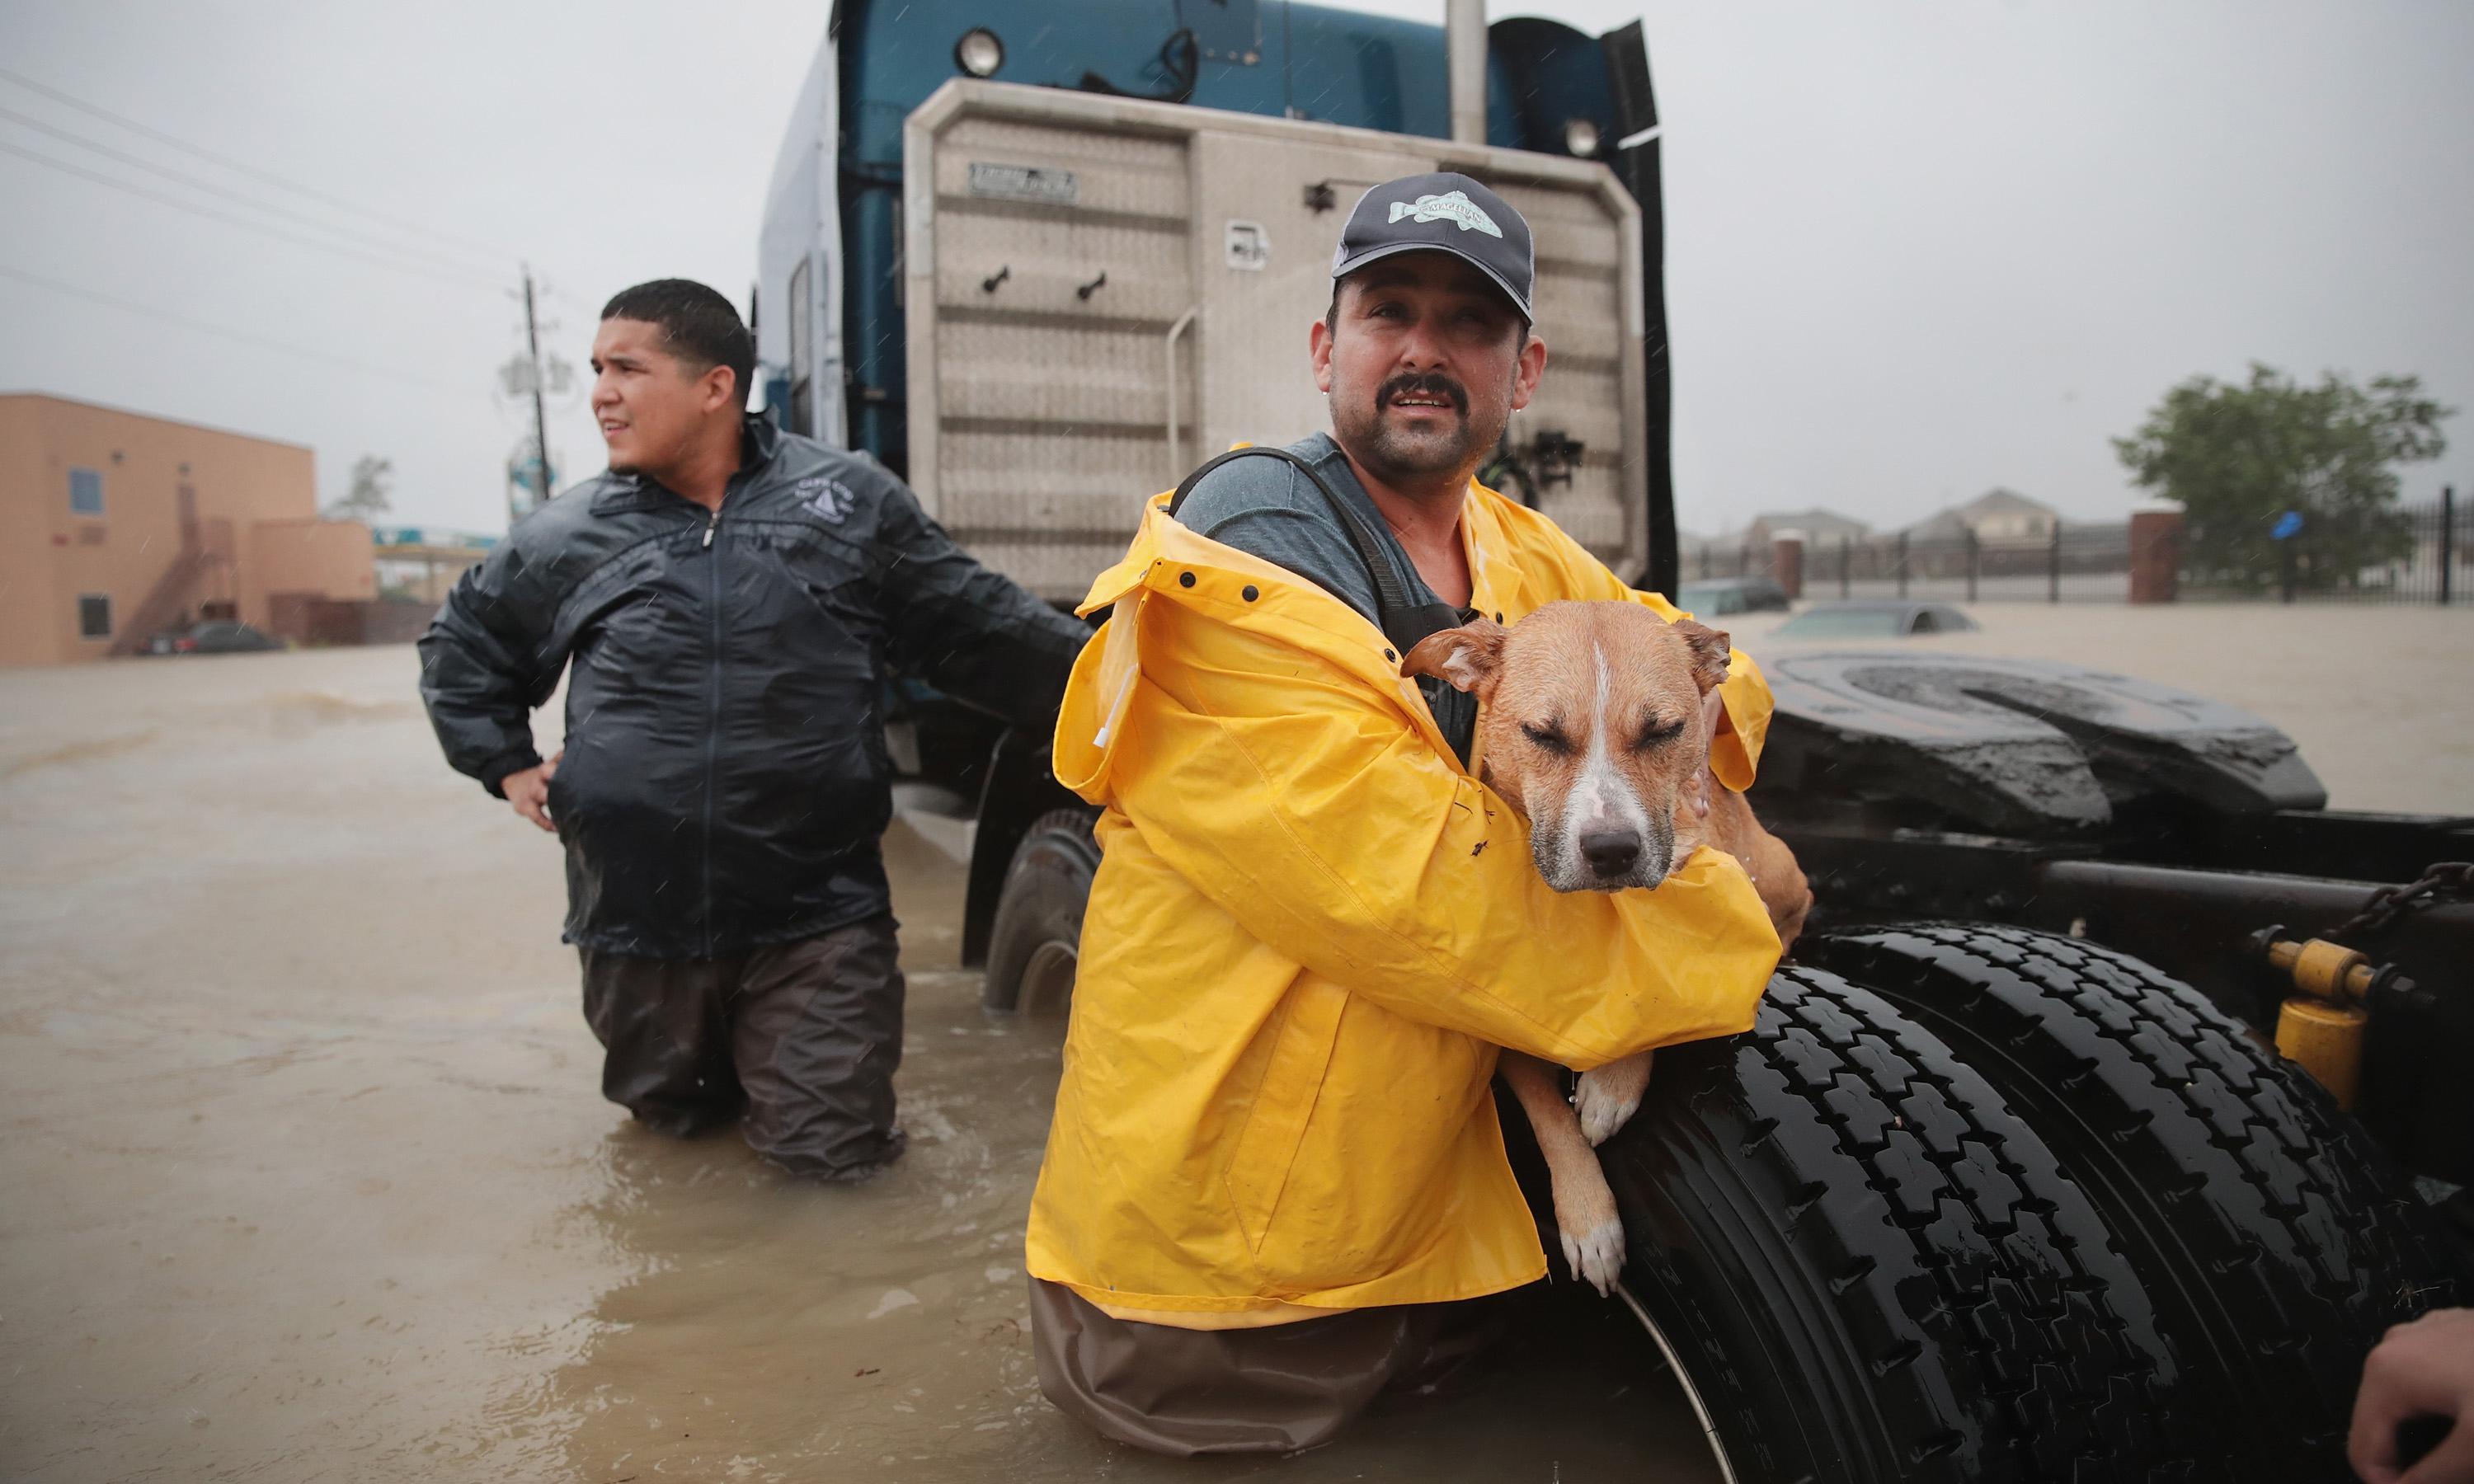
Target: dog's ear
[(1709, 648), (1467, 658)]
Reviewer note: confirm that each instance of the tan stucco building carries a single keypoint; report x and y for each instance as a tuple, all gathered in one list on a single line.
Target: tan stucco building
[(115, 526)]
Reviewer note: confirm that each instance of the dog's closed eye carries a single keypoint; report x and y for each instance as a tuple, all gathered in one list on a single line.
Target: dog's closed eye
[(1551, 736), (1654, 731)]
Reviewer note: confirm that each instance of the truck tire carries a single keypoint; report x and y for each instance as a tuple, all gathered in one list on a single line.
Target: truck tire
[(2277, 1242), (1864, 1267), (1038, 926)]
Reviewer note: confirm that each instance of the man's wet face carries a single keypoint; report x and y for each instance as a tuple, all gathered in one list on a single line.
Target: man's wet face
[(1424, 358), (647, 402)]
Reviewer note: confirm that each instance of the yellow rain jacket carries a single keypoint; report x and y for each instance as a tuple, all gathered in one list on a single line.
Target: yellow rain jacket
[(1311, 930)]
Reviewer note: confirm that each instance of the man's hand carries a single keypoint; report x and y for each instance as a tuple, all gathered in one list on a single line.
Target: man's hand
[(528, 792), (2424, 1368)]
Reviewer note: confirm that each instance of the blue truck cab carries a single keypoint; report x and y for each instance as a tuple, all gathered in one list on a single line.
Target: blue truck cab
[(832, 321), (828, 304)]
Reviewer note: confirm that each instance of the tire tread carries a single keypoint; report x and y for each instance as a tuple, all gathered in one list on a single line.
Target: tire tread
[(2293, 1228), (1972, 1282)]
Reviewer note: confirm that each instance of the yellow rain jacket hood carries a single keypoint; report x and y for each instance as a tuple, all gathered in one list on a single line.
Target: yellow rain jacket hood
[(1310, 931)]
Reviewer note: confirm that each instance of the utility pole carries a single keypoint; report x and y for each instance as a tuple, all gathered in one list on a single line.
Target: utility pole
[(541, 423)]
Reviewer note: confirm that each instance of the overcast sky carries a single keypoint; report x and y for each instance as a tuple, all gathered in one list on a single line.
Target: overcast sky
[(1916, 248)]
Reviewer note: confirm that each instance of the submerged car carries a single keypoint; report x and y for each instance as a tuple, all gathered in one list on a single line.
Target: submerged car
[(1883, 618), (218, 637), (1715, 597)]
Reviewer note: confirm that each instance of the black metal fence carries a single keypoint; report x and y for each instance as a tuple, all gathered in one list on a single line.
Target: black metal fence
[(2417, 554), (2074, 563), (2414, 554)]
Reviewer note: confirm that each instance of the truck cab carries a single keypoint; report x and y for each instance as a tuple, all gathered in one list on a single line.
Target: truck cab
[(833, 301), (1043, 271), (2010, 1180)]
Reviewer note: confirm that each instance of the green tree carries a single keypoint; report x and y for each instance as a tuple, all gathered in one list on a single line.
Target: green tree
[(372, 487), (2237, 457)]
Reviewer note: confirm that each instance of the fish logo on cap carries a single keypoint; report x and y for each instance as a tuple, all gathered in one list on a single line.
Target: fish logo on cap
[(1454, 207)]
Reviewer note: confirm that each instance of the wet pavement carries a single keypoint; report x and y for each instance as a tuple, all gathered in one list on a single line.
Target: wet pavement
[(305, 1175)]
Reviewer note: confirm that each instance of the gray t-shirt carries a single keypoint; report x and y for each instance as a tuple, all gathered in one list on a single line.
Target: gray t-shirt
[(1266, 508)]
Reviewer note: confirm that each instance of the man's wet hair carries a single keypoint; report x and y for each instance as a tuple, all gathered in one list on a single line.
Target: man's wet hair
[(699, 326)]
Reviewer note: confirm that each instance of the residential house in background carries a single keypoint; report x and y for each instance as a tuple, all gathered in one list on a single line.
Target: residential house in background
[(1753, 550), (121, 525), (1998, 517), (1819, 527)]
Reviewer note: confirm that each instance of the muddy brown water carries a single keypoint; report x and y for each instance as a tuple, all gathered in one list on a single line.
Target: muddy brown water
[(2380, 700), (304, 1172)]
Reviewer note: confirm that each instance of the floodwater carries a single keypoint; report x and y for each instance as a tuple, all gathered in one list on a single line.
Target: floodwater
[(305, 1173), (2380, 700)]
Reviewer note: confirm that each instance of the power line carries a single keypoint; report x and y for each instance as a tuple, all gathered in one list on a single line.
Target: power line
[(250, 171), (244, 336), (253, 202), (461, 279)]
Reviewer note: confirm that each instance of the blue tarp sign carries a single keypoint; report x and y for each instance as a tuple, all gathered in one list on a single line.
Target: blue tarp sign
[(430, 536)]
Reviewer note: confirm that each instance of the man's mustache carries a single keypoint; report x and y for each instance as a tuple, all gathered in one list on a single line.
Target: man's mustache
[(1431, 385)]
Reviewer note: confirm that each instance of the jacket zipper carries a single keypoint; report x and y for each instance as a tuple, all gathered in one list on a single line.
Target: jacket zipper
[(712, 725)]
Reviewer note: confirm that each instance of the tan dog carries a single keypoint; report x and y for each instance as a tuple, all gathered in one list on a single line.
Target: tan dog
[(1596, 729)]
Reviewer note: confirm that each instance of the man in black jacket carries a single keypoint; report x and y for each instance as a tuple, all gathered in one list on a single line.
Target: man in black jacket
[(730, 598)]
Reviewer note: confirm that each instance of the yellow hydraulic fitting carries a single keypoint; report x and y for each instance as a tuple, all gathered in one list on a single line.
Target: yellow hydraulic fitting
[(2326, 1041), (2326, 969), (2320, 1027)]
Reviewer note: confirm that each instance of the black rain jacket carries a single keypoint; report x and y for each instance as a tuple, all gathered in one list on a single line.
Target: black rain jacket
[(725, 779)]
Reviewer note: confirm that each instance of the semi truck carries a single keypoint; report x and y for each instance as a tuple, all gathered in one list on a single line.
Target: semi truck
[(2113, 1104)]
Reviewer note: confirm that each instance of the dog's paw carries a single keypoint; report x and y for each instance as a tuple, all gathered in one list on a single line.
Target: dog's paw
[(1597, 1256), (1606, 1098)]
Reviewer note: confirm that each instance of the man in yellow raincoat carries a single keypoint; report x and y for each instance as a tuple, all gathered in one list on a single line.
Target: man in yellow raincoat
[(1275, 1164)]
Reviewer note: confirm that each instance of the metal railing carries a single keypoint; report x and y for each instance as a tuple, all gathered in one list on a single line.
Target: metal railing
[(2072, 562), (2412, 554), (2404, 555)]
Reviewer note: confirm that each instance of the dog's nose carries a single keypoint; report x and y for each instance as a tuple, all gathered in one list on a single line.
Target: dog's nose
[(1611, 852)]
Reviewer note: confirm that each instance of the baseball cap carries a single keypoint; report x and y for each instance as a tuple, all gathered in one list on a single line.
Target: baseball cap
[(1444, 212)]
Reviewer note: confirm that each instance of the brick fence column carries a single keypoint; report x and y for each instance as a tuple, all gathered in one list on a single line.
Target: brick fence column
[(1786, 563), (2155, 556)]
